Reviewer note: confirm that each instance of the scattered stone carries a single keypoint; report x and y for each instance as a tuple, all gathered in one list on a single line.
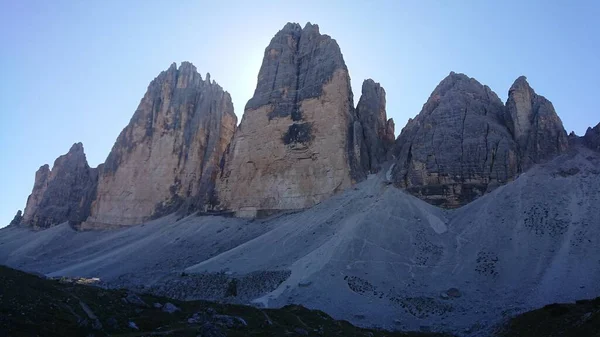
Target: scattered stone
[(196, 319), (170, 308), (301, 332), (230, 321), (133, 325), (304, 283), (157, 305), (210, 330), (453, 292), (134, 299)]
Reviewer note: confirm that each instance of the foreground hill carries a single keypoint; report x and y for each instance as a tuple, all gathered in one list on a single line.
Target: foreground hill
[(67, 307), (32, 306)]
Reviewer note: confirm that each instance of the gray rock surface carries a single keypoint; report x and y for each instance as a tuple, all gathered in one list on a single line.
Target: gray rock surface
[(378, 131), (17, 219), (299, 140), (537, 129), (458, 147), (591, 138), (64, 193), (169, 155)]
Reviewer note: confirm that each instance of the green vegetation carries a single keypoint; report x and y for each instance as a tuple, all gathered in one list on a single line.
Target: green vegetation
[(578, 319), (33, 306)]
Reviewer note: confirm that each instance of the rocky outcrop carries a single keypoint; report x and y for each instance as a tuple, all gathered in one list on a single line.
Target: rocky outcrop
[(299, 140), (377, 129), (169, 155), (591, 138), (537, 129), (457, 147), (17, 219), (62, 194)]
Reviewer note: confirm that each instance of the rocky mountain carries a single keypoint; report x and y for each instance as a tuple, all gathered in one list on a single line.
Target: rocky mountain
[(300, 139), (466, 142), (592, 138), (64, 193), (457, 147), (537, 129), (378, 131), (169, 155)]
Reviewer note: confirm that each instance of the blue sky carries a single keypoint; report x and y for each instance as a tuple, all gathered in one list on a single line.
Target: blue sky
[(75, 70)]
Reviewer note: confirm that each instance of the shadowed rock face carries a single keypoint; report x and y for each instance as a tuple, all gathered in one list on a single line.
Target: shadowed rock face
[(62, 194), (457, 147), (17, 219), (377, 129), (537, 129), (299, 140), (592, 138), (168, 156)]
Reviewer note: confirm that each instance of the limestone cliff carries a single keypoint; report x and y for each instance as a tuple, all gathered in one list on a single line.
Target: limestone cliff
[(377, 129), (537, 129), (62, 194), (299, 140), (169, 155), (591, 138), (457, 147)]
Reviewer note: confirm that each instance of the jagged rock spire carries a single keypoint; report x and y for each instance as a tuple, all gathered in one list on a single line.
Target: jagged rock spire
[(536, 127), (169, 155)]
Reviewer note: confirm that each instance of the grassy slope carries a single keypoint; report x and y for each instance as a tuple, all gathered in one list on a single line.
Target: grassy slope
[(33, 306), (578, 319)]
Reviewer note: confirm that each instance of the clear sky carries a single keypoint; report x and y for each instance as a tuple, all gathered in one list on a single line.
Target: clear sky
[(75, 70)]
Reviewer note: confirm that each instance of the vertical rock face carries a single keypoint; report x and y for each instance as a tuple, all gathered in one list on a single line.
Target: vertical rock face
[(299, 140), (457, 147), (537, 129), (168, 156), (592, 138), (62, 194), (377, 129)]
